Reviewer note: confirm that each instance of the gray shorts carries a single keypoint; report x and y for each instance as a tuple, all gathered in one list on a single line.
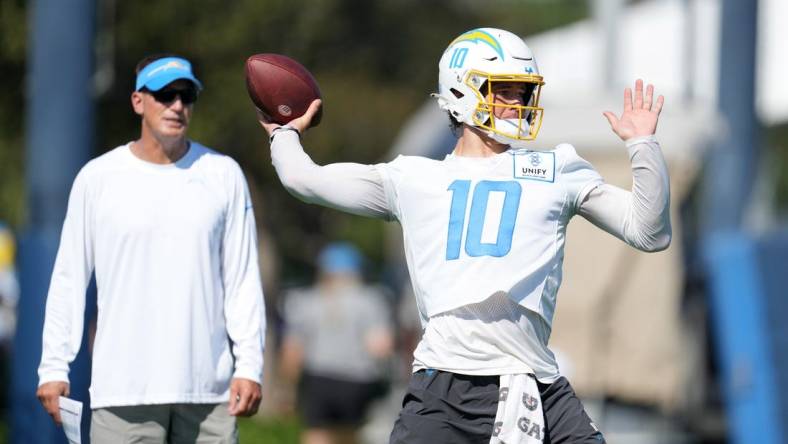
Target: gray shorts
[(165, 423), (442, 407)]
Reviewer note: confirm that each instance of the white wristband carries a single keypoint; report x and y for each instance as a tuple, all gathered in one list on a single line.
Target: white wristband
[(282, 128)]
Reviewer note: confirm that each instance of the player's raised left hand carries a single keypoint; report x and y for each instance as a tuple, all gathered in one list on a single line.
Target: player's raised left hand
[(639, 118)]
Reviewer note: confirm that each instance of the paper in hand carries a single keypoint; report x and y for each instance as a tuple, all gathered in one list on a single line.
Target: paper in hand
[(71, 416)]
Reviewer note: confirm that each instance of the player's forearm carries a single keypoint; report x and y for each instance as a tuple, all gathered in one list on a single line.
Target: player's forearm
[(349, 187), (640, 217), (650, 220)]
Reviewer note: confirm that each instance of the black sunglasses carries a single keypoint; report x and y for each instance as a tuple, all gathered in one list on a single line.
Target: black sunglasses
[(168, 95)]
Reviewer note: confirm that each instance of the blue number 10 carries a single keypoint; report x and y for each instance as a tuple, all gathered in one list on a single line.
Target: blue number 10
[(458, 58), (473, 239)]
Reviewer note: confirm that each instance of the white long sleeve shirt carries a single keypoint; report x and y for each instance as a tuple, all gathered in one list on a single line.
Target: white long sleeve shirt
[(484, 238), (180, 303)]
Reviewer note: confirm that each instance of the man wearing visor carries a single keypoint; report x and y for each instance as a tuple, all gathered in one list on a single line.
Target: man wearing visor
[(167, 226), (484, 232)]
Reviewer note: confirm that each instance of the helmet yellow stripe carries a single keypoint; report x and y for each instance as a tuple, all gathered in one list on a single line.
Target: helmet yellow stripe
[(476, 36)]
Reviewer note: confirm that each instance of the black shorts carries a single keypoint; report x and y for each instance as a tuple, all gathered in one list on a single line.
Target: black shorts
[(442, 407), (329, 402)]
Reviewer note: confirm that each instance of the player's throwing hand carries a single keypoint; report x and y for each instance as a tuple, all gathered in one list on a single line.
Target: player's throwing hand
[(301, 124), (639, 118)]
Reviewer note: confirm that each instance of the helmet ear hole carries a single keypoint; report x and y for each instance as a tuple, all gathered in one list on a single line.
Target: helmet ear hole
[(457, 94)]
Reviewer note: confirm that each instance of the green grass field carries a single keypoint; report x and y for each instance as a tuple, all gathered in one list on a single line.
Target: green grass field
[(269, 430)]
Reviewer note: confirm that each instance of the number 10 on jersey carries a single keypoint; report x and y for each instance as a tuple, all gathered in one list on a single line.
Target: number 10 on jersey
[(474, 246)]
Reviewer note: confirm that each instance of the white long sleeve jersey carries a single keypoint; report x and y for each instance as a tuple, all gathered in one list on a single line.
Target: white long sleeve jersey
[(180, 303), (484, 238)]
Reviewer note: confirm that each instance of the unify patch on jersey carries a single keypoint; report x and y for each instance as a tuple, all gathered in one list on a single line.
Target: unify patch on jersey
[(534, 165)]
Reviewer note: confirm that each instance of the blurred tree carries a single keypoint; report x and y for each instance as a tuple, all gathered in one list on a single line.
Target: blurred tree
[(776, 150), (13, 32)]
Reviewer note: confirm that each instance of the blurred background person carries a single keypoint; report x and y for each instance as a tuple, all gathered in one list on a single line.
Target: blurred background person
[(9, 295), (9, 286), (337, 339)]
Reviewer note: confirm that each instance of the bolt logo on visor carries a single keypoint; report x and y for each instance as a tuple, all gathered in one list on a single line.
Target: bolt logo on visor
[(164, 71)]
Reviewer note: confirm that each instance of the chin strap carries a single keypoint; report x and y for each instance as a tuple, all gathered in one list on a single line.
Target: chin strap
[(510, 126)]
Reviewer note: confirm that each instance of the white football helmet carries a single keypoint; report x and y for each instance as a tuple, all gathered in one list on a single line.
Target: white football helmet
[(470, 67)]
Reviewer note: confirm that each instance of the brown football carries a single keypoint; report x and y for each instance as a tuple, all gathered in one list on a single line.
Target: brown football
[(281, 87)]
